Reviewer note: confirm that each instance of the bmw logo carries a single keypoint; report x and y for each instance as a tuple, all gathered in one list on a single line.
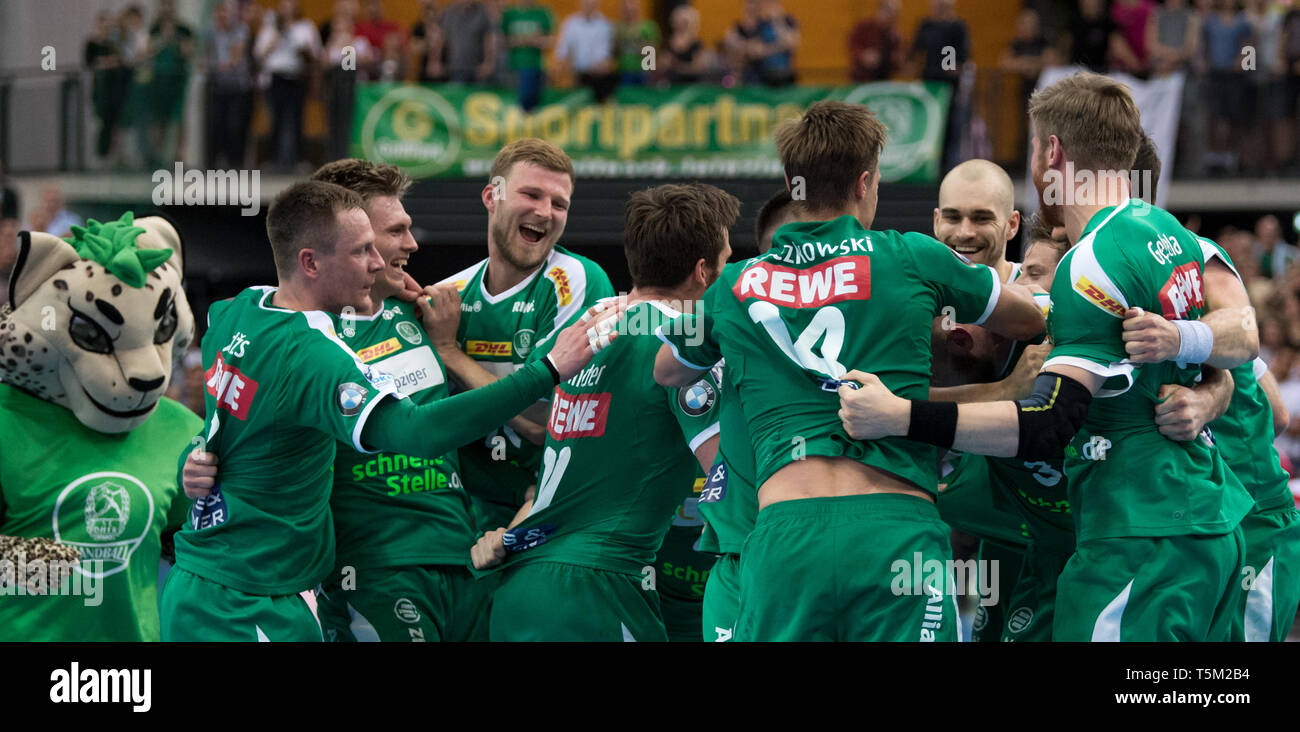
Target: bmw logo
[(351, 398), (697, 398)]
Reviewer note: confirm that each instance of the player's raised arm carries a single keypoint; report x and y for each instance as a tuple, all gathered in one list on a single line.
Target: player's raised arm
[(688, 351), (431, 430), (1016, 314)]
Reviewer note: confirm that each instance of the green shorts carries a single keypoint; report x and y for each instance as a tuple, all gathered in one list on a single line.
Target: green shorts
[(1167, 588), (196, 610), (990, 618), (405, 604), (548, 601), (722, 599), (1271, 576), (681, 617), (853, 568), (1031, 605)]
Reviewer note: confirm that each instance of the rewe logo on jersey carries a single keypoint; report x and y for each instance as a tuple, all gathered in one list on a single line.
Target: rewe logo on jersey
[(835, 280), (1182, 292), (232, 389), (581, 415)]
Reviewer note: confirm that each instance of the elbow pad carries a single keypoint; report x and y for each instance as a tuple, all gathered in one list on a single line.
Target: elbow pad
[(1051, 416)]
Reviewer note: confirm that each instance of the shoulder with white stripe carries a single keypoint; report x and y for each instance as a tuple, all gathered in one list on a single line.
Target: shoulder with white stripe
[(463, 277)]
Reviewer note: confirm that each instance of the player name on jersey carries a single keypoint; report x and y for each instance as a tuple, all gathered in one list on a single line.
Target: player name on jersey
[(835, 280)]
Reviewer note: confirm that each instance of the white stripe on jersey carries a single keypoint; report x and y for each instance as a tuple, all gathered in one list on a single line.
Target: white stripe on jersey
[(1259, 606), (1106, 629), (993, 297), (320, 322), (577, 275)]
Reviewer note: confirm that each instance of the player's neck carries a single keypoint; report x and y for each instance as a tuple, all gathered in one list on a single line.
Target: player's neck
[(673, 296), (1110, 190), (1003, 268), (292, 296), (502, 275)]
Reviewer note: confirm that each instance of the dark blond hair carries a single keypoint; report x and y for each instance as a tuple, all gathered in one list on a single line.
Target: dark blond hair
[(305, 216), (830, 147), (667, 229), (365, 178), (1093, 116), (532, 150)]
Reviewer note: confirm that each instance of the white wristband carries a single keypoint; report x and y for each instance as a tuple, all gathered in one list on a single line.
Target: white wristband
[(1196, 341)]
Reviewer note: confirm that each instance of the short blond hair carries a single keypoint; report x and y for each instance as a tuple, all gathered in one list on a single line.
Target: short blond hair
[(1093, 116), (830, 147), (536, 151)]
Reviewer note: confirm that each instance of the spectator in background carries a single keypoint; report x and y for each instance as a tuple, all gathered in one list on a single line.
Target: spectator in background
[(427, 46), (685, 59), (778, 33), (51, 214), (527, 29), (743, 44), (340, 81), (1173, 37), (1262, 146), (108, 91), (287, 47), (1288, 150), (1223, 35), (161, 77), (1025, 55), (1132, 18), (1270, 250), (941, 48), (228, 82), (1092, 35), (586, 45), (374, 27), (8, 252), (468, 42), (876, 45), (632, 35)]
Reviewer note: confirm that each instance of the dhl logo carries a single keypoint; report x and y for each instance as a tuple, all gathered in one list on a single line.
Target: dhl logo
[(1085, 287), (487, 348), (562, 290), (379, 350)]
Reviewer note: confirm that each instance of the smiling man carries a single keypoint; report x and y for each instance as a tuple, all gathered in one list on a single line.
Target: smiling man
[(526, 290)]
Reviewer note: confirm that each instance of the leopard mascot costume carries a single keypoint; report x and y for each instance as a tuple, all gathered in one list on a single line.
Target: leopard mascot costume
[(88, 442)]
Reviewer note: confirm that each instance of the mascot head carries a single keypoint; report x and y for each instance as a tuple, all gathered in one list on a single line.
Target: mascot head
[(92, 320)]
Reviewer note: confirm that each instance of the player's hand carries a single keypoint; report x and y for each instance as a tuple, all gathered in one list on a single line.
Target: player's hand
[(872, 411), (199, 474), (1149, 338), (1182, 413), (411, 289), (1019, 384), (589, 335), (489, 550), (439, 308)]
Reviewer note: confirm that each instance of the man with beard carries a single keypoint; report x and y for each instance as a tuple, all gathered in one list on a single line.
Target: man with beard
[(1159, 544), (501, 309)]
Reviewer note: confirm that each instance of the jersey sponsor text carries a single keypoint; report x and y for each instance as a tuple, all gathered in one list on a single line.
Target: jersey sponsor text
[(832, 281), (581, 415)]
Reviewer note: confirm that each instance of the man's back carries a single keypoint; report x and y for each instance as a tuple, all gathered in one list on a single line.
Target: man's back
[(282, 389), (1126, 479), (828, 298)]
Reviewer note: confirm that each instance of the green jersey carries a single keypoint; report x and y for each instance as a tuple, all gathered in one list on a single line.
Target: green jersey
[(729, 501), (600, 502), (282, 390), (630, 41), (681, 567), (500, 332), (1125, 478), (110, 496), (518, 22), (398, 510), (781, 321), (1242, 432)]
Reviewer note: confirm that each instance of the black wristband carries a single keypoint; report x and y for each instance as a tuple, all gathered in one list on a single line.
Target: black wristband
[(934, 423), (555, 373)]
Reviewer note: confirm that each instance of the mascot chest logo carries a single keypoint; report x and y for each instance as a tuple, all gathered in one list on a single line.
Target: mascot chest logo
[(107, 516)]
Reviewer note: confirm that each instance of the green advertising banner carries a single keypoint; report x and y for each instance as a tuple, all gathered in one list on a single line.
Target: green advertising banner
[(689, 132)]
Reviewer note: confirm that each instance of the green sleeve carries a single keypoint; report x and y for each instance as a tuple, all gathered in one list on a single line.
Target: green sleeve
[(970, 289), (334, 391), (1086, 323), (696, 408), (691, 336), (432, 430)]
